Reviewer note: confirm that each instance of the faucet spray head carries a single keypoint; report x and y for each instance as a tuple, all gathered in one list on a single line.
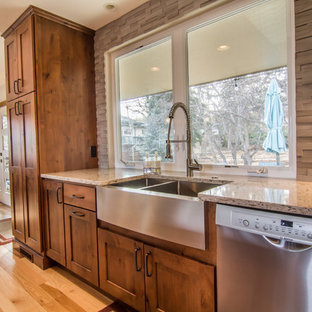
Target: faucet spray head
[(168, 150)]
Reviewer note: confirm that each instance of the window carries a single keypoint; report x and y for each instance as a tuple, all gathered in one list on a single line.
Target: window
[(221, 64), (144, 83), (232, 63)]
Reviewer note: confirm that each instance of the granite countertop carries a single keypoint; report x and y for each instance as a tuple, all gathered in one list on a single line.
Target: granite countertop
[(95, 176), (283, 195)]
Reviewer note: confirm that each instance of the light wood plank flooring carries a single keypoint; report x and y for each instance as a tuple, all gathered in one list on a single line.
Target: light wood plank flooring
[(25, 287)]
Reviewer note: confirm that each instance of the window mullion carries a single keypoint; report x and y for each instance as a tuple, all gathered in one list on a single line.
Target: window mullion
[(180, 94)]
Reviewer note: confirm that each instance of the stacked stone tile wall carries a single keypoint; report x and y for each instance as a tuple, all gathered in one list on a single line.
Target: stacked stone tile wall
[(303, 24), (156, 13)]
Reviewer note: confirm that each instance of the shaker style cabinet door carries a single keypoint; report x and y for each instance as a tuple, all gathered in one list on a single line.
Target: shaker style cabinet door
[(11, 70), (54, 221), (26, 214), (81, 242), (32, 209), (121, 268), (25, 58), (16, 168), (19, 55), (166, 273)]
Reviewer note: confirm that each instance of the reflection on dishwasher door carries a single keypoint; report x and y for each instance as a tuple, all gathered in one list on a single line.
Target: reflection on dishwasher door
[(264, 261)]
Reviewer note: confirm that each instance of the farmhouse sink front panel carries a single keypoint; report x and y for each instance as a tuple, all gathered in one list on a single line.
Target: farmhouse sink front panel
[(178, 219)]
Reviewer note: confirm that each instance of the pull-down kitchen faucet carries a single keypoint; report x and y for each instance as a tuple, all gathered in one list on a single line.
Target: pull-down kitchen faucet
[(190, 166)]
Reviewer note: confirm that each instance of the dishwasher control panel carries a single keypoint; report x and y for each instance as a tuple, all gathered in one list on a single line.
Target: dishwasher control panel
[(267, 223)]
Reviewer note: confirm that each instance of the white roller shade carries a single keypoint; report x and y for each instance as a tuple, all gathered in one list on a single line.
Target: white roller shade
[(145, 71)]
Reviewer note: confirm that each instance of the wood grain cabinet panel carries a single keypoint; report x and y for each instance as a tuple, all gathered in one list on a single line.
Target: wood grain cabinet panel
[(175, 283), (65, 80), (54, 221), (19, 51), (121, 268), (11, 70), (16, 167), (17, 206), (26, 108), (26, 214), (151, 279), (25, 58), (81, 196), (51, 106), (81, 242)]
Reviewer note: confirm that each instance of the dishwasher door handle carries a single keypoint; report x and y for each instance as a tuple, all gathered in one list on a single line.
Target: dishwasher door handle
[(286, 245)]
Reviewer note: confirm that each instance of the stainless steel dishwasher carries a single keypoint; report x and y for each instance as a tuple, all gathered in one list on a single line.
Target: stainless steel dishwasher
[(264, 261)]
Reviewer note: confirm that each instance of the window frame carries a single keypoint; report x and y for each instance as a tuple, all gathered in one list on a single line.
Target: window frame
[(178, 34)]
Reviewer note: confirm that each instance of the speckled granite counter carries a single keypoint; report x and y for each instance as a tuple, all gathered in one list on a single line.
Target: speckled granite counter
[(288, 196), (94, 176)]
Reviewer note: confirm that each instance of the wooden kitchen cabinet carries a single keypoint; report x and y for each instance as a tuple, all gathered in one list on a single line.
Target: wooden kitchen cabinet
[(121, 268), (176, 283), (51, 108), (172, 282), (81, 242), (19, 57), (54, 221), (81, 196), (26, 214), (70, 231)]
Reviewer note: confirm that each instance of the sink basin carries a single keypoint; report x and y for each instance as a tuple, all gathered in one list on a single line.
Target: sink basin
[(185, 188), (166, 209)]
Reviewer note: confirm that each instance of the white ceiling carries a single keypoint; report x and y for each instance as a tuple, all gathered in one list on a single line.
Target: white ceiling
[(91, 13)]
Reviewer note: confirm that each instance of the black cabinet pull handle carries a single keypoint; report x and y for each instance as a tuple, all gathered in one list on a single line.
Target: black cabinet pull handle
[(57, 195), (15, 109), (18, 85), (78, 214), (15, 87), (18, 108), (136, 250), (146, 264), (77, 196)]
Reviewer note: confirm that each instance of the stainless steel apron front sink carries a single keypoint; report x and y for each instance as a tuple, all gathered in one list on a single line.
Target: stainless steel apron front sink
[(155, 207)]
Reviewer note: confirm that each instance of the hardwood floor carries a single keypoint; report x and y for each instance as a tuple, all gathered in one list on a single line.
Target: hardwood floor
[(5, 212), (25, 287)]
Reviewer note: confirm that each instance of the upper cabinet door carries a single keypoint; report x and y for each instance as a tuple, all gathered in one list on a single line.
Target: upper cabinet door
[(19, 55), (25, 57), (11, 70)]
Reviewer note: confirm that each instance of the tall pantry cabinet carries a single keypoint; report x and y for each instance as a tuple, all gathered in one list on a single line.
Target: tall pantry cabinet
[(51, 109)]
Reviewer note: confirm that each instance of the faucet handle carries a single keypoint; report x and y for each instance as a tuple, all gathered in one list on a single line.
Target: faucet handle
[(199, 166)]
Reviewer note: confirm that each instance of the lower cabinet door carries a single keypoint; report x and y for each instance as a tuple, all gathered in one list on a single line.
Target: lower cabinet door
[(81, 242), (121, 268), (54, 221), (17, 205), (175, 283)]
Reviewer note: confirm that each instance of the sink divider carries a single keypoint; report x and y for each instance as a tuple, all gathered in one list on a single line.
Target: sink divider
[(159, 184)]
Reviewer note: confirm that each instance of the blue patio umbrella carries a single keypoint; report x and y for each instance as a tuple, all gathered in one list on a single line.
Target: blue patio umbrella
[(274, 118)]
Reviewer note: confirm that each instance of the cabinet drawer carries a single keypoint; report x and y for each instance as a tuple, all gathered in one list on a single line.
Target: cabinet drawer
[(81, 196)]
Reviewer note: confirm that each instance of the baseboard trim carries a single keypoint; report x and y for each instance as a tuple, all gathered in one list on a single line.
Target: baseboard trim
[(42, 261)]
